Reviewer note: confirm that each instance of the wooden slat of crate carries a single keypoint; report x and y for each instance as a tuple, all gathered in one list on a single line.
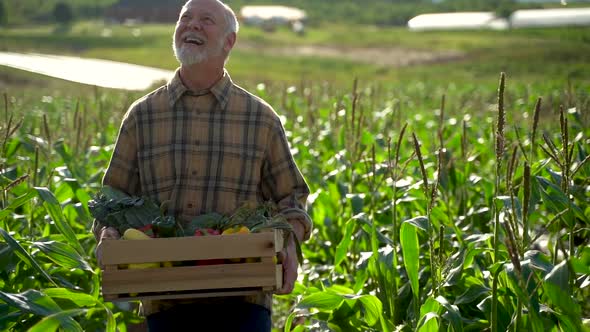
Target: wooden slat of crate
[(189, 277), (191, 248), (192, 281), (183, 295), (192, 293)]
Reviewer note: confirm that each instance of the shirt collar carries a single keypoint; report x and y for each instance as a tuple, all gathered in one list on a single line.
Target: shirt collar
[(220, 89)]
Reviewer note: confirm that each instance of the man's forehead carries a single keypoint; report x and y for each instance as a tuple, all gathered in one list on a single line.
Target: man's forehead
[(210, 5)]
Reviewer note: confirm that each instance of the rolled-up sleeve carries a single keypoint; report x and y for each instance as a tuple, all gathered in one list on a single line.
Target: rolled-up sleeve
[(283, 183), (122, 172)]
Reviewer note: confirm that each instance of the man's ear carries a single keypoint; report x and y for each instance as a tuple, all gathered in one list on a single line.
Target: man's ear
[(230, 40)]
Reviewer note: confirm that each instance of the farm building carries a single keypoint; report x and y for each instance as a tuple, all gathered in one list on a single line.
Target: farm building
[(465, 20), (269, 17), (258, 15), (489, 20), (550, 17)]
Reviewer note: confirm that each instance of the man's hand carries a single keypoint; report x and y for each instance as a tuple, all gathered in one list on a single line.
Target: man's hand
[(290, 264), (105, 233)]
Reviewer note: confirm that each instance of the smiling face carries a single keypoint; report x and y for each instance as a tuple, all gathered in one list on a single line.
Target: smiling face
[(202, 33)]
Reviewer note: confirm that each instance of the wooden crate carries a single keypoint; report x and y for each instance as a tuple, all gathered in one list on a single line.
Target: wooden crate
[(190, 280)]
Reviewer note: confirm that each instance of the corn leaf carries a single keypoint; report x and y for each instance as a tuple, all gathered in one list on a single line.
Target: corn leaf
[(17, 202), (557, 288), (323, 301), (343, 246), (420, 222), (472, 293), (53, 207), (24, 255), (31, 301), (373, 308), (66, 155), (556, 201), (83, 300), (289, 322), (452, 315), (429, 323), (411, 254), (59, 320), (63, 255)]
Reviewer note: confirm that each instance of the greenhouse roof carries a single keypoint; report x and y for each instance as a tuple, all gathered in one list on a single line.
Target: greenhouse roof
[(265, 13)]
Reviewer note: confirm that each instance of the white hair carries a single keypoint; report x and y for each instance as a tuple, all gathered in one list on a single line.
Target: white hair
[(231, 20)]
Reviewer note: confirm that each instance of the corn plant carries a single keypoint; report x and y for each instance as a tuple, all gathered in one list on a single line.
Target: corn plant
[(434, 209)]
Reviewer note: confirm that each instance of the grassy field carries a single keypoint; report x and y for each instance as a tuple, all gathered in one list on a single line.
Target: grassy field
[(445, 197), (526, 55)]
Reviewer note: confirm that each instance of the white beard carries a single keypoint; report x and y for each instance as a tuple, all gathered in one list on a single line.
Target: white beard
[(187, 56)]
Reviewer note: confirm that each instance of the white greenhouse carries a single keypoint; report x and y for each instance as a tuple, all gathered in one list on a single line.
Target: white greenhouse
[(258, 15), (550, 17), (457, 21)]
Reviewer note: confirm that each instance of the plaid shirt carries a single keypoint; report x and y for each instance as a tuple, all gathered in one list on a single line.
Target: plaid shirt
[(207, 151)]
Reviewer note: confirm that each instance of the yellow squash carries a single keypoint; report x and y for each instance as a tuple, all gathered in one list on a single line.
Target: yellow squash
[(239, 230), (134, 234)]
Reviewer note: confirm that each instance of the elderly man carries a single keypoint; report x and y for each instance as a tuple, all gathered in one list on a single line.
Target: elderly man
[(205, 145)]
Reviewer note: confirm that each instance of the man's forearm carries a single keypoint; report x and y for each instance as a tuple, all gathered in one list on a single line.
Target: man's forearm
[(97, 229), (298, 229), (300, 221)]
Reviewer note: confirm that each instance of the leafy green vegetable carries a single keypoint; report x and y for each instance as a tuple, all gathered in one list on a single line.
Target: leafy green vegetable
[(166, 226), (114, 208), (211, 220)]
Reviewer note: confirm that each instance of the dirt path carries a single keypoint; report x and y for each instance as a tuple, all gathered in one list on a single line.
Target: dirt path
[(117, 75), (391, 56), (103, 73)]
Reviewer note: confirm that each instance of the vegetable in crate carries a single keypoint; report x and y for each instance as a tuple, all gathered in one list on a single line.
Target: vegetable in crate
[(236, 230), (114, 208), (121, 211), (134, 234), (166, 226), (207, 232), (239, 230)]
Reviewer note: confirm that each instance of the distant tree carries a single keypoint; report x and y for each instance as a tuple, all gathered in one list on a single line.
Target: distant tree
[(63, 14), (3, 14), (506, 7)]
